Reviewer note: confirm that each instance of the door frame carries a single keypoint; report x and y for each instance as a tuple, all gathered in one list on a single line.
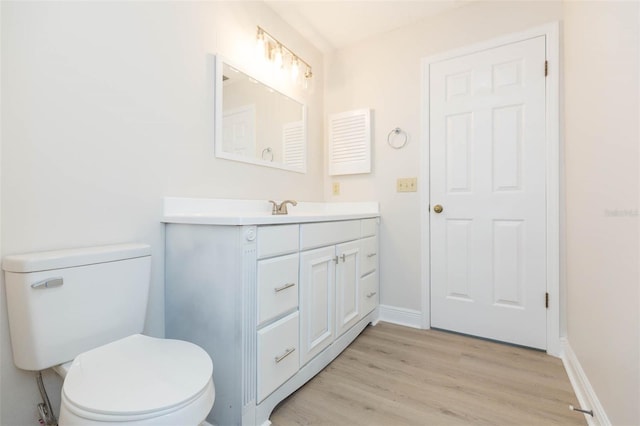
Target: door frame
[(552, 173)]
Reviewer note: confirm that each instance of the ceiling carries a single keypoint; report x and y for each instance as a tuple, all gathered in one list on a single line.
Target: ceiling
[(334, 24)]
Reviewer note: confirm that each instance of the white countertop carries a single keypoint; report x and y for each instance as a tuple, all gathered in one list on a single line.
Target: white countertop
[(208, 211)]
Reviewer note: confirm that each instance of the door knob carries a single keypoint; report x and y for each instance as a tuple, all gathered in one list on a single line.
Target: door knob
[(437, 208)]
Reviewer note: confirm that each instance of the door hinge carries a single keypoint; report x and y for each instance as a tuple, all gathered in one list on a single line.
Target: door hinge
[(546, 300), (546, 68)]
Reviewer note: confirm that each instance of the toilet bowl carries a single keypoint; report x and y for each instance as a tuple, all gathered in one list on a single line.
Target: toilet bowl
[(89, 305), (138, 380)]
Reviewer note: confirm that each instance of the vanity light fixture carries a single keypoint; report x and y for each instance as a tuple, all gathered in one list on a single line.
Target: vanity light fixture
[(280, 55)]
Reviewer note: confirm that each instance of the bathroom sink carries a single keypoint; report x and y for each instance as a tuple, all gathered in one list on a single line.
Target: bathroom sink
[(258, 212)]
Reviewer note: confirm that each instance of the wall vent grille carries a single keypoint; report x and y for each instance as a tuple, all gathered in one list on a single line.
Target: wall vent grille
[(293, 145), (350, 142)]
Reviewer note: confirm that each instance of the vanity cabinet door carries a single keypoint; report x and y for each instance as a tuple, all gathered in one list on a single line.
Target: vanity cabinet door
[(347, 286), (317, 284)]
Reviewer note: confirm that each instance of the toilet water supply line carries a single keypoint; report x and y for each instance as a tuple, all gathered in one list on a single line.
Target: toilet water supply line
[(44, 408)]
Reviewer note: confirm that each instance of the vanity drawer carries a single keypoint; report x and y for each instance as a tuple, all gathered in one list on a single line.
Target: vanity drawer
[(370, 293), (277, 286), (278, 354), (368, 227), (369, 256), (321, 234), (276, 240)]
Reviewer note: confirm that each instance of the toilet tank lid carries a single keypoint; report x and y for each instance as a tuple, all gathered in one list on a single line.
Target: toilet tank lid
[(57, 259)]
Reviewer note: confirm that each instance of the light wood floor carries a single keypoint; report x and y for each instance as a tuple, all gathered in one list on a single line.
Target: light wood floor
[(393, 375)]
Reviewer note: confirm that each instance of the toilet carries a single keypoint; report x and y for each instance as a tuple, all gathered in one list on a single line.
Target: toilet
[(81, 313)]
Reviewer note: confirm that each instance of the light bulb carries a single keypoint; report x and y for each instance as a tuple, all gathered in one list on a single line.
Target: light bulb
[(278, 58), (295, 69), (260, 47), (307, 79)]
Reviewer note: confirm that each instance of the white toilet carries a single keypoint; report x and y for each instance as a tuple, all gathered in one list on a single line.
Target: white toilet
[(81, 312)]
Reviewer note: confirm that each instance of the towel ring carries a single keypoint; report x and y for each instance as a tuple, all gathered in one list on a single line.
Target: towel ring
[(267, 154), (395, 141)]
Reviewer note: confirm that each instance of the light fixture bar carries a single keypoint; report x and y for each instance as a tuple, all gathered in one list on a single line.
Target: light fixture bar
[(266, 36)]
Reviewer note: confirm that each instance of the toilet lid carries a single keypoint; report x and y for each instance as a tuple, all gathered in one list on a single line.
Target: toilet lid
[(138, 374)]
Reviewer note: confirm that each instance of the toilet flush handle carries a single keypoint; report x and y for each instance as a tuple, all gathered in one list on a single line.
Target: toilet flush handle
[(48, 283)]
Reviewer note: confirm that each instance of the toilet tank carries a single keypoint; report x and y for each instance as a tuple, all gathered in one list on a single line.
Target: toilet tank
[(62, 303)]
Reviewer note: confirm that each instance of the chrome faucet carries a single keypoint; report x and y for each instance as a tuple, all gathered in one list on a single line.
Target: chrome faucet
[(282, 208)]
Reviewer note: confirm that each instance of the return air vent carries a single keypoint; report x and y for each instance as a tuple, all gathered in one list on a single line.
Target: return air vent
[(293, 145), (350, 142)]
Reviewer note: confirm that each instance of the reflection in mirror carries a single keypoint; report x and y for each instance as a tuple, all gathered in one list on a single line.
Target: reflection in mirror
[(259, 125)]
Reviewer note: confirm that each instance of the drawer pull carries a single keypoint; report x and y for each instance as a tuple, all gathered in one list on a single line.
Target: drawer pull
[(284, 287), (371, 254), (373, 293), (284, 355)]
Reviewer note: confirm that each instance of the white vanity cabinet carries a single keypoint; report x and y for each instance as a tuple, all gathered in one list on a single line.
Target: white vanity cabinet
[(271, 304)]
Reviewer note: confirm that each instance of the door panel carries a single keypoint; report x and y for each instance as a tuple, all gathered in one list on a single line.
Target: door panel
[(457, 267), (347, 286), (317, 282), (239, 131), (487, 165)]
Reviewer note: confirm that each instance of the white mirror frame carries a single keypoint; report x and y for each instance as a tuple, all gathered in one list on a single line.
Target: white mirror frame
[(218, 143)]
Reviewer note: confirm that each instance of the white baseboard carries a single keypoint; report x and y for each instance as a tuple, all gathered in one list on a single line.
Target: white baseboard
[(401, 316), (584, 392)]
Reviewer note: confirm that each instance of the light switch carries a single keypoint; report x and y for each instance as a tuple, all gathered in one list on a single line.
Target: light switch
[(407, 184), (336, 188)]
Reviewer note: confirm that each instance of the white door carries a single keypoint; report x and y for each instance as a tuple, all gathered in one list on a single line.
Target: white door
[(487, 167), (347, 286), (238, 131), (317, 283)]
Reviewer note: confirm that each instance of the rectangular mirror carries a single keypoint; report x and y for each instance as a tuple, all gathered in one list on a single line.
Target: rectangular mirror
[(257, 124)]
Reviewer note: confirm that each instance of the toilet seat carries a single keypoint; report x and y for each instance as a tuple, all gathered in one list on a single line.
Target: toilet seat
[(138, 377)]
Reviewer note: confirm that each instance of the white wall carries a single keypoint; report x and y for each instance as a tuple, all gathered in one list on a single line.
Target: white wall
[(106, 108), (383, 73), (602, 183)]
